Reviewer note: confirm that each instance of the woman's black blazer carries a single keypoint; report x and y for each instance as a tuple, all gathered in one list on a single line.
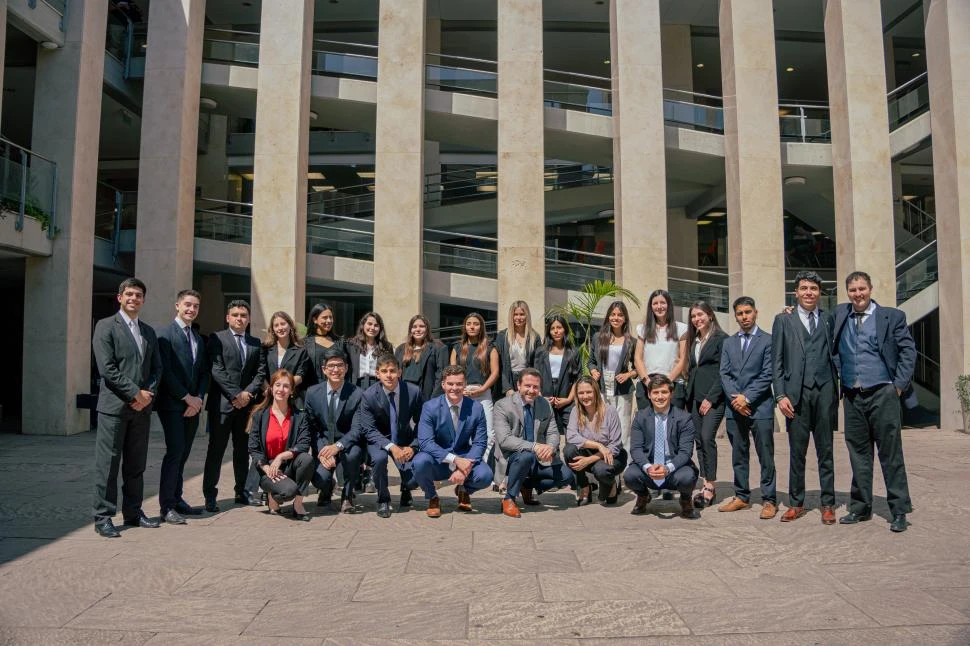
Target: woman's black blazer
[(704, 376), (297, 441), (625, 365), (432, 362), (507, 379), (568, 373)]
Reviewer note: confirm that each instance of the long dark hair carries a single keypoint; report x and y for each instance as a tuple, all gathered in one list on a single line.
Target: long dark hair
[(270, 339), (360, 339), (412, 351), (481, 352), (650, 323), (606, 331), (311, 322), (558, 318), (692, 332)]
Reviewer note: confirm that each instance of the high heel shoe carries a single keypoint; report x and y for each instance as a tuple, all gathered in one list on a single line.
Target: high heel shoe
[(611, 499), (584, 500)]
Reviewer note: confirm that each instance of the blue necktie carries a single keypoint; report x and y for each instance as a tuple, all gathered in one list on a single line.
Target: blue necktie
[(660, 444), (390, 397), (745, 341), (528, 424)]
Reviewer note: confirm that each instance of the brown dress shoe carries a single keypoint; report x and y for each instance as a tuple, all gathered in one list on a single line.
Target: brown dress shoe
[(347, 506), (434, 508), (734, 504), (687, 508), (640, 507), (528, 498), (828, 515), (793, 513), (464, 500), (768, 511), (509, 508)]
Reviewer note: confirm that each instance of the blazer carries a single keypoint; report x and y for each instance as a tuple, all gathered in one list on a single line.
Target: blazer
[(352, 353), (316, 415), (229, 375), (433, 360), (626, 364), (507, 379), (896, 346), (295, 359), (788, 353), (315, 356), (372, 421), (568, 371), (507, 421), (181, 375), (680, 438), (437, 436), (749, 375), (297, 441), (704, 374), (124, 371)]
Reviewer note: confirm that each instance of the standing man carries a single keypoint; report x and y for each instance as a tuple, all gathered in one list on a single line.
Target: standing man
[(876, 356), (452, 435), (329, 417), (237, 377), (526, 432), (126, 352), (185, 380), (804, 381), (746, 377)]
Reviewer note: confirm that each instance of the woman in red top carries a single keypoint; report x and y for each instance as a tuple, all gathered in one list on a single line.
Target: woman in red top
[(279, 448)]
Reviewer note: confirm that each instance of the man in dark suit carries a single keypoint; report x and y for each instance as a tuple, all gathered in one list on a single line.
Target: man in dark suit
[(452, 435), (876, 356), (384, 417), (126, 352), (329, 417), (661, 446), (526, 432), (185, 380), (804, 381), (237, 377), (746, 377)]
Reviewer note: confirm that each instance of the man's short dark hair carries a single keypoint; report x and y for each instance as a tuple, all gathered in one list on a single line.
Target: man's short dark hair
[(856, 275), (128, 283), (333, 353), (387, 358), (187, 292), (452, 371), (809, 275), (238, 303), (658, 380), (530, 372), (743, 300)]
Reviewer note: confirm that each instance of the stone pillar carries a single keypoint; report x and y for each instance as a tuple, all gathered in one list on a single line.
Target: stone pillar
[(678, 63), (861, 162), (67, 118), (399, 163), (947, 51), (212, 167), (280, 161), (752, 153), (639, 174), (166, 165)]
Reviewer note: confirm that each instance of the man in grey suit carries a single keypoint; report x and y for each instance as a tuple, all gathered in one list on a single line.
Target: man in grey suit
[(746, 377), (126, 352), (526, 432)]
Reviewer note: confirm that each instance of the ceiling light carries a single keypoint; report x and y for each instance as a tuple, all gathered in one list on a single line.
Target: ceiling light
[(789, 69), (701, 223), (715, 214), (49, 44), (315, 175), (909, 197), (248, 176), (320, 189), (548, 188), (371, 187), (795, 180), (207, 103), (817, 233), (366, 174), (915, 54), (606, 61), (483, 174), (487, 188), (313, 115), (700, 66)]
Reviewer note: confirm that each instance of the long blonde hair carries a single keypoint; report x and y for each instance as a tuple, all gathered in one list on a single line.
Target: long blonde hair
[(531, 336), (599, 406)]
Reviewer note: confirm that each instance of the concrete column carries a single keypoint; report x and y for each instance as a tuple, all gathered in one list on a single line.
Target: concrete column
[(521, 157), (280, 160), (682, 239), (861, 162), (67, 121), (752, 153), (399, 164), (947, 51), (212, 166), (639, 174), (678, 63), (3, 44), (166, 165)]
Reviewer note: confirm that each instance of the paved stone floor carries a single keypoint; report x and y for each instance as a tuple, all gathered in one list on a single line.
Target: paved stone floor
[(558, 575)]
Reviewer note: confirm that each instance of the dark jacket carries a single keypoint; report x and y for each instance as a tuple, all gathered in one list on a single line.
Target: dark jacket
[(124, 371), (507, 380), (297, 441), (372, 422), (316, 415), (315, 353), (749, 374), (229, 375), (181, 375), (680, 438), (295, 360), (704, 375), (432, 361), (788, 353), (568, 371), (626, 364)]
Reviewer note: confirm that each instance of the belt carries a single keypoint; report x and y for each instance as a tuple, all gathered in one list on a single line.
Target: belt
[(865, 391)]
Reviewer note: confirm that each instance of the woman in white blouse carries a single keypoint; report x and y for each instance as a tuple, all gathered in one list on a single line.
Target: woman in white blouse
[(369, 343), (661, 348)]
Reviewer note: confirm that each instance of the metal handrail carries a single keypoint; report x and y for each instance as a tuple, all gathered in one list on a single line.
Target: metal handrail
[(910, 205), (232, 31), (914, 254), (905, 85), (585, 76), (462, 58), (26, 150), (343, 42), (691, 93)]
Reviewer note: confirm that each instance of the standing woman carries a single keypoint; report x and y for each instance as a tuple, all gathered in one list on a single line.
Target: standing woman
[(320, 337), (558, 363), (515, 345), (593, 444), (280, 451), (479, 358), (661, 349), (422, 357), (282, 349), (705, 394), (611, 364), (369, 343)]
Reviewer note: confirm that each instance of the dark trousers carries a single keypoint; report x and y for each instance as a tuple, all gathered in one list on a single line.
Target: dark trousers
[(179, 435), (122, 440), (524, 470), (705, 437), (297, 472), (873, 417), (605, 474), (229, 425), (379, 458), (682, 480), (813, 418), (427, 471), (348, 460), (740, 431)]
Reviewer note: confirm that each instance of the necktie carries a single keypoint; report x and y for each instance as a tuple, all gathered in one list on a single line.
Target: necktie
[(188, 337), (528, 424), (135, 332), (745, 342), (660, 443), (390, 397), (242, 348), (332, 413), (858, 320), (454, 418), (811, 322)]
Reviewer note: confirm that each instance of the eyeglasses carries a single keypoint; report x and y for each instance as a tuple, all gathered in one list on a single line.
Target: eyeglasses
[(335, 366)]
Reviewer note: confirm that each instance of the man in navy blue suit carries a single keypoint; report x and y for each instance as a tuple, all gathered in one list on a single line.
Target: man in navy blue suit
[(384, 417), (876, 357), (452, 435)]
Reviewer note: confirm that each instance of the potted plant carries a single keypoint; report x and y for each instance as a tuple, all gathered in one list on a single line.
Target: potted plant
[(963, 393)]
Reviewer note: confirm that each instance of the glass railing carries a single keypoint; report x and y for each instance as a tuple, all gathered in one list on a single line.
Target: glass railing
[(115, 210), (28, 186), (693, 110), (461, 74), (573, 91), (568, 269), (478, 182), (231, 46), (688, 284), (908, 101), (917, 272), (918, 222), (60, 6), (338, 58), (804, 123)]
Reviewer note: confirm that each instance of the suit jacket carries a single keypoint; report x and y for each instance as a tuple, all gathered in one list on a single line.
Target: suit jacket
[(508, 418), (896, 346), (507, 379), (297, 441), (433, 360), (568, 371), (749, 374), (295, 359), (626, 364), (680, 438), (316, 415), (124, 371), (437, 436), (181, 374), (315, 353), (352, 352), (704, 374), (372, 420), (788, 353), (230, 376)]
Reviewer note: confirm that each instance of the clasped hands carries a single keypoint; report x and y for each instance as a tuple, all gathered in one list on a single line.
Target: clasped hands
[(142, 400)]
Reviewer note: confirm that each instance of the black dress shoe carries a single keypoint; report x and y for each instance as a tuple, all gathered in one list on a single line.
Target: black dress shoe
[(899, 523), (107, 529), (246, 498), (295, 515), (211, 505), (854, 517), (405, 498), (186, 509), (142, 521), (384, 509), (667, 495), (172, 517), (528, 498)]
